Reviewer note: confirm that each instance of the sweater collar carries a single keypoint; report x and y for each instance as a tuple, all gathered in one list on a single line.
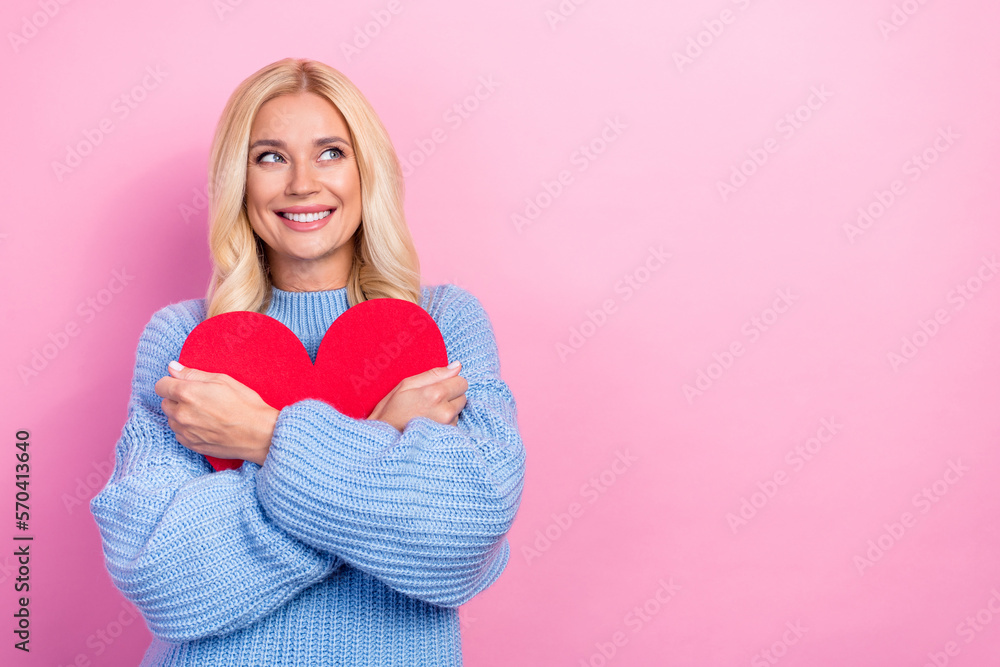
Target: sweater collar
[(304, 311)]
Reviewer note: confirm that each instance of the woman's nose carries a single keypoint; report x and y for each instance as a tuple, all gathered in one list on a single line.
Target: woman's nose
[(302, 179)]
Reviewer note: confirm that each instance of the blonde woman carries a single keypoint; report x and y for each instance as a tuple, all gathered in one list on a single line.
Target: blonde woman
[(338, 541)]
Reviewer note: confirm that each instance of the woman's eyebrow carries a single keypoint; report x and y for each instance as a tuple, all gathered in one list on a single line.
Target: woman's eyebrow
[(277, 143)]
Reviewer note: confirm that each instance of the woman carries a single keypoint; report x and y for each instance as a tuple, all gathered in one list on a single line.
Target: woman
[(339, 541)]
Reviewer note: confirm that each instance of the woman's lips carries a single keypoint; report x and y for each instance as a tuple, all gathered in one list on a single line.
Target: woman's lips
[(306, 226)]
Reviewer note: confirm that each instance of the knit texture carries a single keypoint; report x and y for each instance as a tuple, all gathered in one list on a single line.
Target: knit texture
[(353, 544)]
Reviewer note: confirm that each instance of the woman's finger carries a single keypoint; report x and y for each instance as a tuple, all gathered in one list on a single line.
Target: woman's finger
[(455, 387), (429, 377), (168, 406), (187, 373), (166, 387)]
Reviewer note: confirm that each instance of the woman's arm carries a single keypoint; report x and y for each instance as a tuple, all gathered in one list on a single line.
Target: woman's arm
[(425, 511), (193, 551)]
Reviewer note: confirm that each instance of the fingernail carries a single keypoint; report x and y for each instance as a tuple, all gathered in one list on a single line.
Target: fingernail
[(455, 364), (176, 365)]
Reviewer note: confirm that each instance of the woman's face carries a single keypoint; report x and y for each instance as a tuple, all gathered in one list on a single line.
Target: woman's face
[(302, 164)]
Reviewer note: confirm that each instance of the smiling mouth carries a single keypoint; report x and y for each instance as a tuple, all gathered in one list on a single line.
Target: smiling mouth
[(307, 217)]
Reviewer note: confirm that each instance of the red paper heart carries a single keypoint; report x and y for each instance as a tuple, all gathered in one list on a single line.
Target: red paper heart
[(364, 354)]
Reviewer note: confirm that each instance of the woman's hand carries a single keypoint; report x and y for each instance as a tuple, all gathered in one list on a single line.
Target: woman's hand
[(214, 415), (438, 394)]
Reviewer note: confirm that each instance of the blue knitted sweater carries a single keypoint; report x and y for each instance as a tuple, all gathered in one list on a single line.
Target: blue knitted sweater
[(353, 544)]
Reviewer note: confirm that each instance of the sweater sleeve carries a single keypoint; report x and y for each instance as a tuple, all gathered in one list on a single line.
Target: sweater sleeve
[(191, 548), (425, 511)]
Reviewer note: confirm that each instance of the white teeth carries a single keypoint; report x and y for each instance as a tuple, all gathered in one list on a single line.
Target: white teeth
[(305, 217)]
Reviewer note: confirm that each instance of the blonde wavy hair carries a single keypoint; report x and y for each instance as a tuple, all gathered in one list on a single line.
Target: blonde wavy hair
[(385, 262)]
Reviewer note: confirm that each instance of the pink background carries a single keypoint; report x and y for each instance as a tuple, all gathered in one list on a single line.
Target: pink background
[(595, 541)]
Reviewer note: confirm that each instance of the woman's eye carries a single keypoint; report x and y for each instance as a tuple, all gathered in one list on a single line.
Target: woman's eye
[(335, 150), (263, 157)]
